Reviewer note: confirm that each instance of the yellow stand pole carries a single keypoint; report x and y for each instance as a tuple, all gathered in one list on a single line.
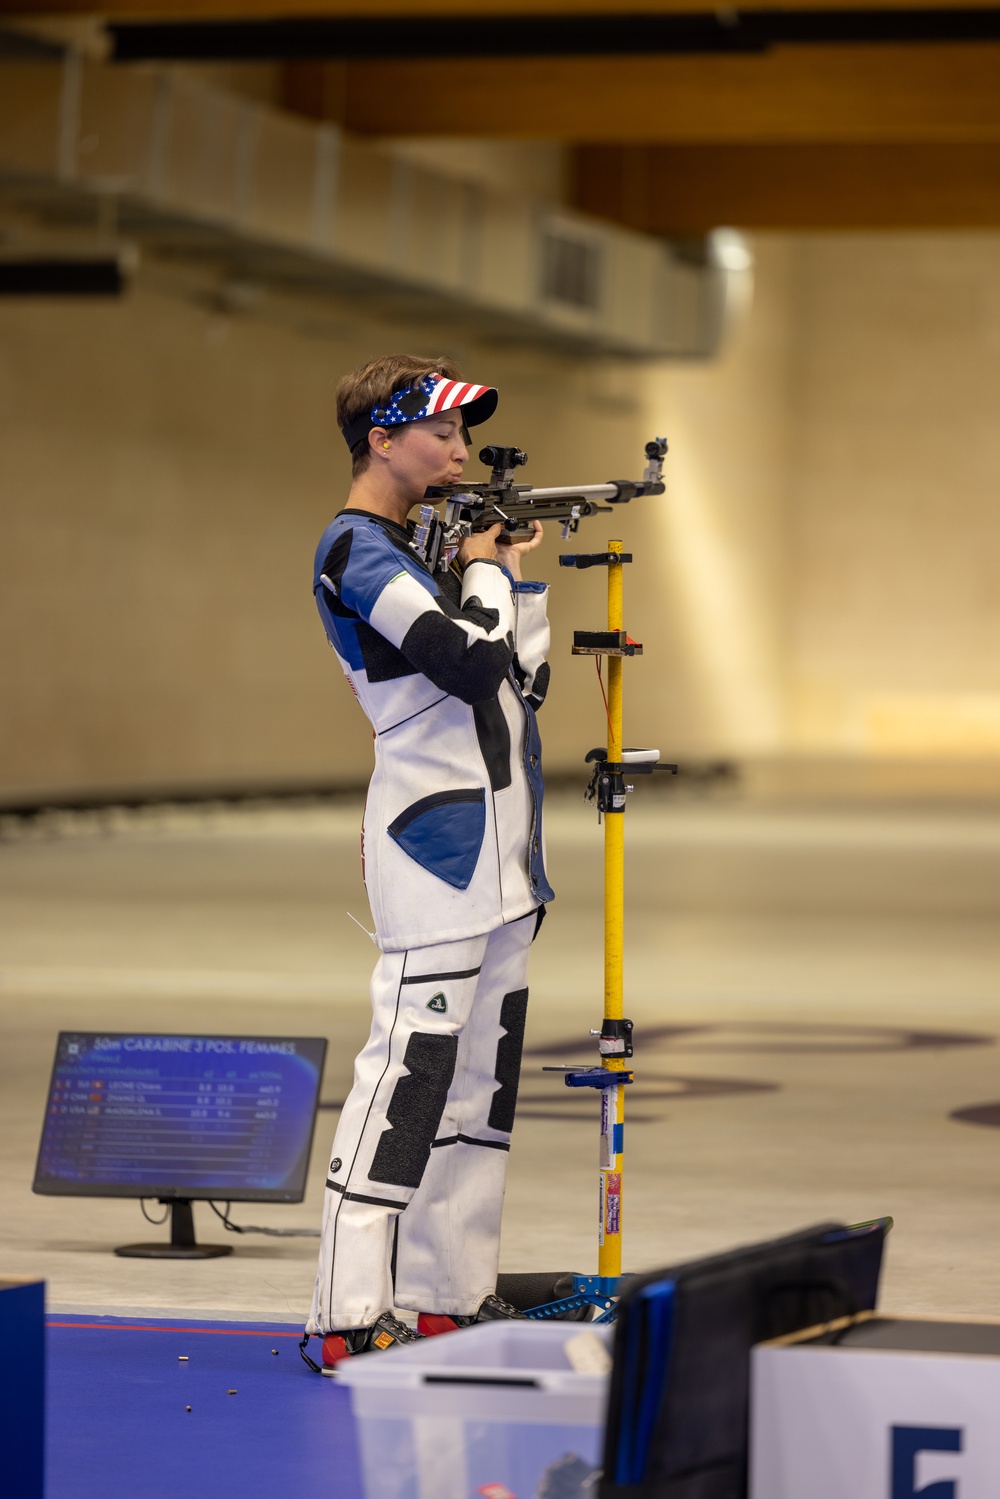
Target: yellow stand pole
[(613, 1099)]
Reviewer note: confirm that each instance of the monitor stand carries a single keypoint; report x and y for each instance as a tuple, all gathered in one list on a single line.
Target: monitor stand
[(182, 1246)]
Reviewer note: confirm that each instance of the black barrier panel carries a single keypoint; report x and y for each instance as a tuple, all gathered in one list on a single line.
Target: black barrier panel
[(679, 1399)]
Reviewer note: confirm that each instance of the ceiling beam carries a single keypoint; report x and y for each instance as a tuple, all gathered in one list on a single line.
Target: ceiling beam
[(688, 190), (928, 94), (628, 32), (269, 9)]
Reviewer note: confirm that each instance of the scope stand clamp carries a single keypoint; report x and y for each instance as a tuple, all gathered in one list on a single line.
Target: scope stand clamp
[(608, 787)]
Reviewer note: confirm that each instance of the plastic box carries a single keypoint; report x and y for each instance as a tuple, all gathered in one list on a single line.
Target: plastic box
[(494, 1411)]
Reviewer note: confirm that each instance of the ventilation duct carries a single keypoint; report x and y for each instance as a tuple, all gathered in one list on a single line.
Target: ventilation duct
[(202, 172)]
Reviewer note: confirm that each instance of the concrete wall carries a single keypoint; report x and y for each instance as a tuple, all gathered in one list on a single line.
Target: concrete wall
[(831, 545), (718, 613), (821, 580), (895, 482), (164, 472), (166, 469)]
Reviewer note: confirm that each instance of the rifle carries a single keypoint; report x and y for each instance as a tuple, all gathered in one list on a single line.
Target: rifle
[(476, 507)]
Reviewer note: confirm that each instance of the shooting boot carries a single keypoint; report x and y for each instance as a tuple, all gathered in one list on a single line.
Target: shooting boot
[(491, 1309), (385, 1332)]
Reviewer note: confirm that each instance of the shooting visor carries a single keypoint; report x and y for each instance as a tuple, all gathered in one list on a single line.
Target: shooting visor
[(428, 397)]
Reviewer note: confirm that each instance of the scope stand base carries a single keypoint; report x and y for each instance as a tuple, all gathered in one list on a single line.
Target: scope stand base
[(598, 1291)]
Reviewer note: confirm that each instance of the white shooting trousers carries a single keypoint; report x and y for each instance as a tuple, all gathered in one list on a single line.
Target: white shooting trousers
[(417, 1170)]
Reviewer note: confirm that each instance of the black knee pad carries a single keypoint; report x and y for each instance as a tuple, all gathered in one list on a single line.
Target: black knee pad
[(415, 1110), (513, 1013)]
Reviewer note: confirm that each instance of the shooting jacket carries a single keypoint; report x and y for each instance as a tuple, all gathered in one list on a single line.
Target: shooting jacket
[(449, 670)]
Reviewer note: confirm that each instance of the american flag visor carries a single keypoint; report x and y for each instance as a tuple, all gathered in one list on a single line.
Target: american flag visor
[(428, 397)]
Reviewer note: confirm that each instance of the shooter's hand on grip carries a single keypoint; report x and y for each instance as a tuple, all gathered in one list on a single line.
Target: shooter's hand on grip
[(496, 545), (510, 552), (481, 544)]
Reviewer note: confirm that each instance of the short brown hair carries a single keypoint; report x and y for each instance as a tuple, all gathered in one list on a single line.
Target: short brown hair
[(374, 383)]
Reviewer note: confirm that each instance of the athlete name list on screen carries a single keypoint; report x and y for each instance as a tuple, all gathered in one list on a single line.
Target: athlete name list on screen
[(180, 1110)]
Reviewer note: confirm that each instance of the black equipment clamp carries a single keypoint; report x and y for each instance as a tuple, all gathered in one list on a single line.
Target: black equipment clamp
[(608, 786)]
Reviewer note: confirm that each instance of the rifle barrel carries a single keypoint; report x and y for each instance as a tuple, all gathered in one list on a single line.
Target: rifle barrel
[(572, 492)]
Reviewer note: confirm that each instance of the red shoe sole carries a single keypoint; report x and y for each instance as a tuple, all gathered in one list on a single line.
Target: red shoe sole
[(334, 1349), (433, 1323)]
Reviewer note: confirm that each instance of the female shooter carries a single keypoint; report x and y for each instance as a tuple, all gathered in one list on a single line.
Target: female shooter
[(449, 668)]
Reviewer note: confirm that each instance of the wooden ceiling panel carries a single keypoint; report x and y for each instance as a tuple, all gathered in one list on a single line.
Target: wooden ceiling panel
[(796, 136), (687, 190), (928, 94)]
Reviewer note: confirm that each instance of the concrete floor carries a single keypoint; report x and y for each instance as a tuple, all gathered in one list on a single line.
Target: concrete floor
[(814, 992)]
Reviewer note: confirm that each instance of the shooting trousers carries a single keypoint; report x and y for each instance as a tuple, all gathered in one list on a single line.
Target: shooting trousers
[(416, 1175)]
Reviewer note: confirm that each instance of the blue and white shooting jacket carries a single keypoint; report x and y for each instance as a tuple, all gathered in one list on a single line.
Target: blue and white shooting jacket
[(449, 669)]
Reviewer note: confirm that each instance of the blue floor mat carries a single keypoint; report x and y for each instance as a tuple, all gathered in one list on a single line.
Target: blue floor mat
[(118, 1427)]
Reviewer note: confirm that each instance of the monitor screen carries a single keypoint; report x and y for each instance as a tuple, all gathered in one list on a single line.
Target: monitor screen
[(225, 1117)]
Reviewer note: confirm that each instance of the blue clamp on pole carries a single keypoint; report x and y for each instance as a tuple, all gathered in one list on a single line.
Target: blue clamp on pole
[(597, 1077), (591, 1077)]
